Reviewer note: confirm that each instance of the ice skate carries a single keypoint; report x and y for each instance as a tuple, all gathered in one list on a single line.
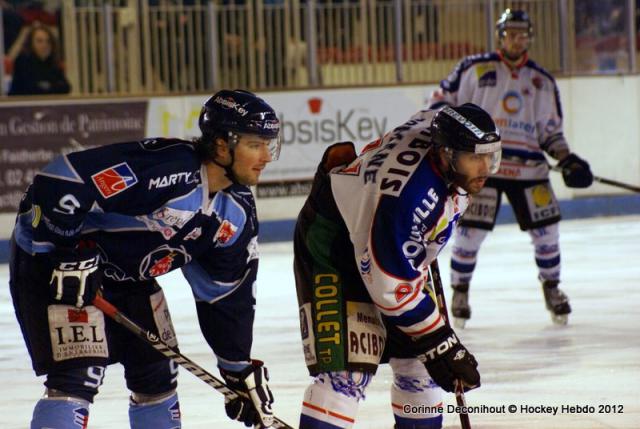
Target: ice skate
[(557, 302), (460, 309)]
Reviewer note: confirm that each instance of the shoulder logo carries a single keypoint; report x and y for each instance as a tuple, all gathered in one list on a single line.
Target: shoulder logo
[(225, 232), (537, 82), (402, 291), (115, 179)]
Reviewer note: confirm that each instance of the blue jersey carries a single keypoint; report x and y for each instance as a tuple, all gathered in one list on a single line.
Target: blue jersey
[(147, 208)]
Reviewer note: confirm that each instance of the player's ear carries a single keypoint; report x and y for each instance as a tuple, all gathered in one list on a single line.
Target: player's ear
[(442, 155), (221, 148)]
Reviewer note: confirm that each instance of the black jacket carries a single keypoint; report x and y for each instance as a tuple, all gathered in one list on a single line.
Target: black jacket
[(32, 76)]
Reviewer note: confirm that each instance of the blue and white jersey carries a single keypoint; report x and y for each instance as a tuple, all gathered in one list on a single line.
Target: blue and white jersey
[(524, 102), (146, 207), (400, 212)]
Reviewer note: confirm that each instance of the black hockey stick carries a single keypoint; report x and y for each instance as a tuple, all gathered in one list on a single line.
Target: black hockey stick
[(610, 182), (173, 353), (436, 280)]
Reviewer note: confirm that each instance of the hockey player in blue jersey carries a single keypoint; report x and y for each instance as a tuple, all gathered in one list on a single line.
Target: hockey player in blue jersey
[(363, 243), (115, 217), (524, 101)]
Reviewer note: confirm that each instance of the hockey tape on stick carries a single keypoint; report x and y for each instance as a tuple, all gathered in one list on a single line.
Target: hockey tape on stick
[(173, 353), (604, 181), (436, 281)]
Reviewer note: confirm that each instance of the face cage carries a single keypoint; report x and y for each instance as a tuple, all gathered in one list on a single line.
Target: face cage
[(496, 158), (274, 145)]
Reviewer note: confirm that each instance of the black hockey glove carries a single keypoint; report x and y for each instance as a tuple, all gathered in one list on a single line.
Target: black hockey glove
[(447, 360), (75, 277), (255, 408), (575, 171)]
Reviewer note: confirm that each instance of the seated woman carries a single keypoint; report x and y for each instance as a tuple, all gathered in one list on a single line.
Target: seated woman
[(37, 69)]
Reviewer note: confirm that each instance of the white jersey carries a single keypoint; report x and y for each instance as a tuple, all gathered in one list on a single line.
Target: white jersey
[(525, 105), (400, 212)]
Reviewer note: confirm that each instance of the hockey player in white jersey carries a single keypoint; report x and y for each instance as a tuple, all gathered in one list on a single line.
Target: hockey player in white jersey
[(363, 243), (524, 101)]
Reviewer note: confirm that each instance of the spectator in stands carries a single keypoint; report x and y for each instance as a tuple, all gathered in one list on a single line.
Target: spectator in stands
[(37, 69)]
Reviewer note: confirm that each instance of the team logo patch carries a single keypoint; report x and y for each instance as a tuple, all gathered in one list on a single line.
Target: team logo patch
[(81, 417), (114, 180), (162, 265), (162, 260), (402, 291), (225, 232), (512, 102), (174, 411)]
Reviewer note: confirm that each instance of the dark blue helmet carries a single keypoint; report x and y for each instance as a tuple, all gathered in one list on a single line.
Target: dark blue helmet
[(231, 112), (238, 111), (467, 128), (518, 19)]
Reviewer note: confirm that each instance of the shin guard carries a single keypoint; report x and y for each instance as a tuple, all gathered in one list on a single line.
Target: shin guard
[(161, 413), (60, 413), (331, 401), (415, 398)]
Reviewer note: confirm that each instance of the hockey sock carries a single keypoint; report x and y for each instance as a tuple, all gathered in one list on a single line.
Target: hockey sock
[(60, 413), (415, 398), (547, 251), (464, 254), (160, 413), (331, 402)]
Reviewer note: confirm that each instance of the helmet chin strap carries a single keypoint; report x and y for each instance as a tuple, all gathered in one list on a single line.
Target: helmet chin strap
[(452, 176), (228, 170)]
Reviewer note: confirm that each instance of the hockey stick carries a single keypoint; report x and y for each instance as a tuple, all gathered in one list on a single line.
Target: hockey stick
[(610, 182), (442, 307), (173, 353)]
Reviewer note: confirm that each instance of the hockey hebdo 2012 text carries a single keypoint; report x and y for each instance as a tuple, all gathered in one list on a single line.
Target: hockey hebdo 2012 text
[(512, 409)]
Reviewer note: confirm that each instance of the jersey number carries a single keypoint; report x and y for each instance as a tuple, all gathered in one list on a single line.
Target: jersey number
[(68, 205)]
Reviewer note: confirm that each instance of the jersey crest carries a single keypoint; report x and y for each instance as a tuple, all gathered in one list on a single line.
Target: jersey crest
[(115, 179)]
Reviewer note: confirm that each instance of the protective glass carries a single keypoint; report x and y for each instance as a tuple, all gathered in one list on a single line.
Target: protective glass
[(272, 144), (489, 154)]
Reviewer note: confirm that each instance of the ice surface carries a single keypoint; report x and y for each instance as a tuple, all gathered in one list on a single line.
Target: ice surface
[(524, 359)]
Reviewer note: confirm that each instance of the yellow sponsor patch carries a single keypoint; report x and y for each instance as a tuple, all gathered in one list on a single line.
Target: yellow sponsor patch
[(37, 215), (541, 196), (482, 69)]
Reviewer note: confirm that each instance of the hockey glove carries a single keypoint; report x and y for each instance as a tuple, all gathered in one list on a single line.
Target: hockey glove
[(75, 277), (575, 171), (448, 360), (255, 408)]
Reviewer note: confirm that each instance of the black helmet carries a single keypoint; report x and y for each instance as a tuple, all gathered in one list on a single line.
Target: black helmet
[(518, 19), (467, 128), (231, 112)]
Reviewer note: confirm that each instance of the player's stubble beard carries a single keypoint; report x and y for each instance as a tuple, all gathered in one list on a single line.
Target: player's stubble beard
[(472, 185)]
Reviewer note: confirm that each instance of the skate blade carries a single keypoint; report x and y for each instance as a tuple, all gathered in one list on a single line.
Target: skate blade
[(459, 323), (560, 319)]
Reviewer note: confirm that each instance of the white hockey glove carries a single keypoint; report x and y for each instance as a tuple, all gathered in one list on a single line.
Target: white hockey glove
[(75, 277), (252, 381)]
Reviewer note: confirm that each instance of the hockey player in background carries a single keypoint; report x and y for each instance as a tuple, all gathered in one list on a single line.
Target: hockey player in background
[(524, 101), (362, 247), (115, 217)]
